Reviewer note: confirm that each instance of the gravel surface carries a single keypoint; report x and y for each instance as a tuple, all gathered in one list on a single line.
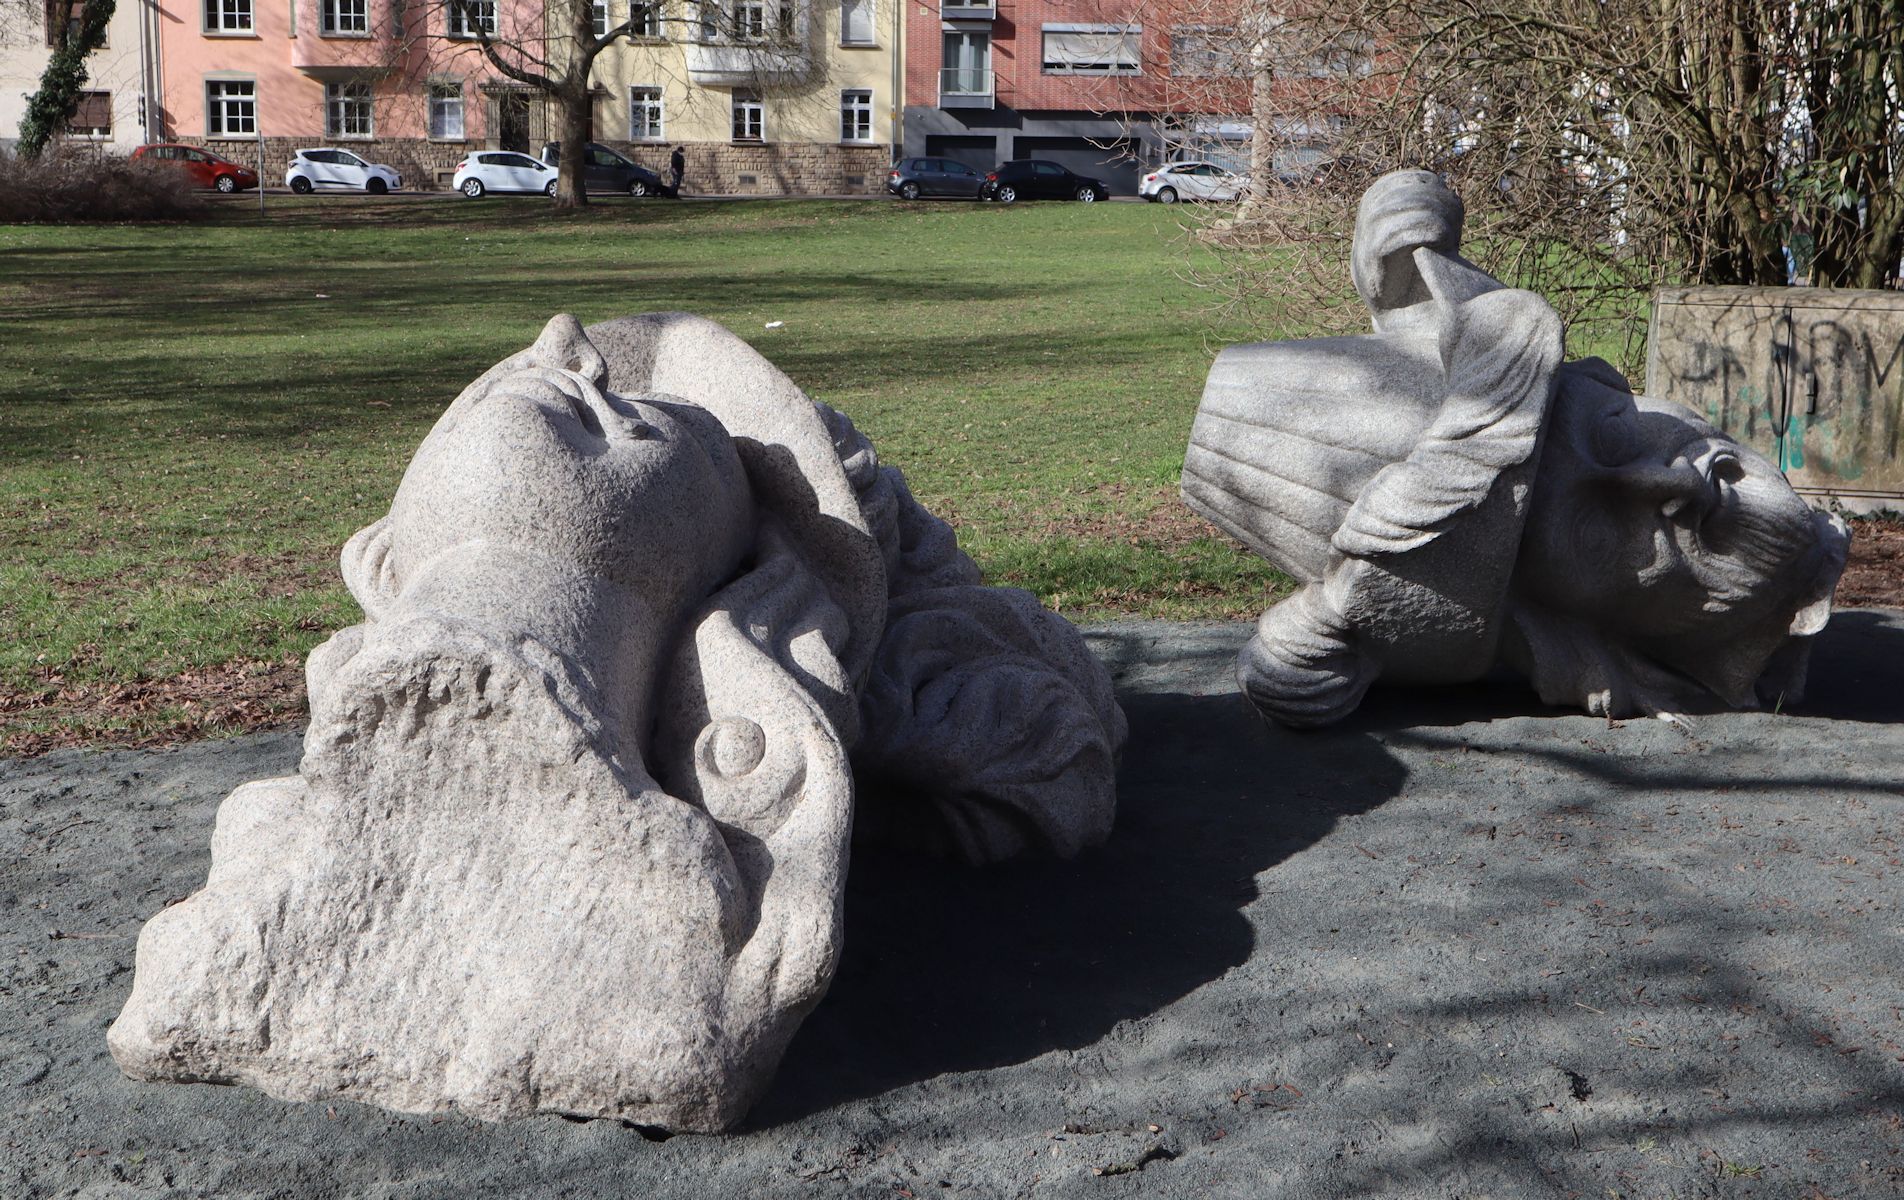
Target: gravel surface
[(1459, 946)]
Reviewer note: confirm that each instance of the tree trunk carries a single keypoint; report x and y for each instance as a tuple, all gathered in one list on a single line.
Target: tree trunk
[(571, 183), (49, 108)]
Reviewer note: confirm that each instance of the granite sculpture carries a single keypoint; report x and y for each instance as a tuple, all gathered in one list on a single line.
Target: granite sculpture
[(571, 825), (1450, 494)]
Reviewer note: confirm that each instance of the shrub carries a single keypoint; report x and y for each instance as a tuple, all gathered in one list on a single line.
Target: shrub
[(69, 186)]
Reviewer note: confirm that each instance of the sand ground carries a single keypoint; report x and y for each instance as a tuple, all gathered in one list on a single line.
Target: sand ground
[(1459, 946)]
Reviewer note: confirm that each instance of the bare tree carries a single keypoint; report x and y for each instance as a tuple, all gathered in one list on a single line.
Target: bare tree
[(1602, 146)]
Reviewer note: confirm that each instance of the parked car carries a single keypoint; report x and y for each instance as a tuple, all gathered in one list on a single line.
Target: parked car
[(328, 168), (605, 170), (204, 168), (911, 178), (1190, 181), (502, 171), (1036, 179)]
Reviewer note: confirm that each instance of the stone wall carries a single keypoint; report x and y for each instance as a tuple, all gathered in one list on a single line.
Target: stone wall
[(770, 169), (417, 160), (1812, 378), (713, 168)]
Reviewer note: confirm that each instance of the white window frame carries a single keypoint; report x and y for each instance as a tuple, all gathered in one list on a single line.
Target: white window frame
[(598, 17), (856, 116), (344, 18), (645, 110), (466, 17), (1120, 36), (440, 95), (651, 26), (227, 18), (747, 20), (231, 102), (349, 103), (871, 10), (748, 112)]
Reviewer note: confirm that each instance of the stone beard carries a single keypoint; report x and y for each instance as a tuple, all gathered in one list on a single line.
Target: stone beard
[(1449, 494), (571, 828)]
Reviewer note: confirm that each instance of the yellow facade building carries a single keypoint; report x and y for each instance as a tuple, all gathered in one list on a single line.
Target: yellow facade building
[(792, 97)]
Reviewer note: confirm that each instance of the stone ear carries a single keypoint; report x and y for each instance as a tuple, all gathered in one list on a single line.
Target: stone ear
[(367, 570), (1815, 606)]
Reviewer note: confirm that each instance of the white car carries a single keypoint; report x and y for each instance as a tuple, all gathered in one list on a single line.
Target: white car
[(502, 171), (328, 168), (1190, 181)]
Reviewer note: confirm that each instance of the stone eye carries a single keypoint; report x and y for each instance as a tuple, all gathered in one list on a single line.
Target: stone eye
[(1615, 440)]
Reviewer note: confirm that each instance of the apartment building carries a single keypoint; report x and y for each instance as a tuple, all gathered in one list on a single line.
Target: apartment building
[(788, 97), (113, 108), (1105, 87)]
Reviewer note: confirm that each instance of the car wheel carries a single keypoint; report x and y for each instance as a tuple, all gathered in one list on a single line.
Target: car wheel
[(548, 189), (226, 184), (473, 188), (1166, 195), (300, 185), (1007, 194), (909, 191), (637, 188), (376, 186), (1087, 195)]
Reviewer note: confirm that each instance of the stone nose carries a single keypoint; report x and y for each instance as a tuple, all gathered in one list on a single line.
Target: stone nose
[(1670, 486)]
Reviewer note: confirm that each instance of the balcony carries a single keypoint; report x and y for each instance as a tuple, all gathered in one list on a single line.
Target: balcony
[(968, 10), (747, 64), (965, 87)]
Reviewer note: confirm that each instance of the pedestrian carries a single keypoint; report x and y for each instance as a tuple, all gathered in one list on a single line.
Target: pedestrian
[(677, 167)]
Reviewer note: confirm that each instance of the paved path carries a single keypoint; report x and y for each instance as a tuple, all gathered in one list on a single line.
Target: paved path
[(1459, 946)]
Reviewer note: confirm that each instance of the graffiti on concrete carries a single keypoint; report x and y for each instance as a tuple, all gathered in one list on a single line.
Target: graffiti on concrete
[(1811, 378)]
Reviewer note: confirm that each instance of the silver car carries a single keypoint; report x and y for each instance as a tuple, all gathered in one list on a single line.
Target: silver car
[(1190, 181)]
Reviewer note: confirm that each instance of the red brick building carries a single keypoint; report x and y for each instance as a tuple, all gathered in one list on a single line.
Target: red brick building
[(1105, 87)]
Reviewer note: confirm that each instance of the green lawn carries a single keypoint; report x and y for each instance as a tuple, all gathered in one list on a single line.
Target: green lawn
[(194, 418)]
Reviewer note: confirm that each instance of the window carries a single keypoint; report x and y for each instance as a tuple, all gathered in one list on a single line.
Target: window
[(93, 117), (1092, 49), (73, 16), (347, 110), (856, 23), (967, 69), (231, 108), (446, 112), (598, 17), (644, 19), (1204, 52), (644, 114), (749, 117), (470, 18), (227, 16), (856, 115), (750, 21), (348, 17)]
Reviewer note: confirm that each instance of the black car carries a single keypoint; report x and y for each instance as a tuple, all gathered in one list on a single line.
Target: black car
[(912, 178), (1036, 179), (606, 171)]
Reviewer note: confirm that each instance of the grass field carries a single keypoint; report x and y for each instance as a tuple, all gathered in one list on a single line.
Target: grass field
[(193, 419)]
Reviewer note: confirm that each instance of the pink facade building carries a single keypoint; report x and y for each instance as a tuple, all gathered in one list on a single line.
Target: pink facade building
[(404, 84)]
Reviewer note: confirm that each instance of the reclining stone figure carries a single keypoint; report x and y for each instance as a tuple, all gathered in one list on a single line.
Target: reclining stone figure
[(571, 826), (1449, 494)]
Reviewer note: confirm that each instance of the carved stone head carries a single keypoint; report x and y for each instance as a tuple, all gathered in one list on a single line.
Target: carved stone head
[(571, 828), (1449, 494)]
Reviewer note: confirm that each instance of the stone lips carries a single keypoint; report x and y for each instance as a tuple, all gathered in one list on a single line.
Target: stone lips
[(571, 827)]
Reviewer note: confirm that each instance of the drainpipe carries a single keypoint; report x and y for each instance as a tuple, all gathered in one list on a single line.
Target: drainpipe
[(897, 118)]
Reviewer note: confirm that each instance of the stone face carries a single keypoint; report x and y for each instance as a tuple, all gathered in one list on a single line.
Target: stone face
[(572, 822), (1450, 494)]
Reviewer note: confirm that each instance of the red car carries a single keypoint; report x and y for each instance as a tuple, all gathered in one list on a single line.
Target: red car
[(206, 169)]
